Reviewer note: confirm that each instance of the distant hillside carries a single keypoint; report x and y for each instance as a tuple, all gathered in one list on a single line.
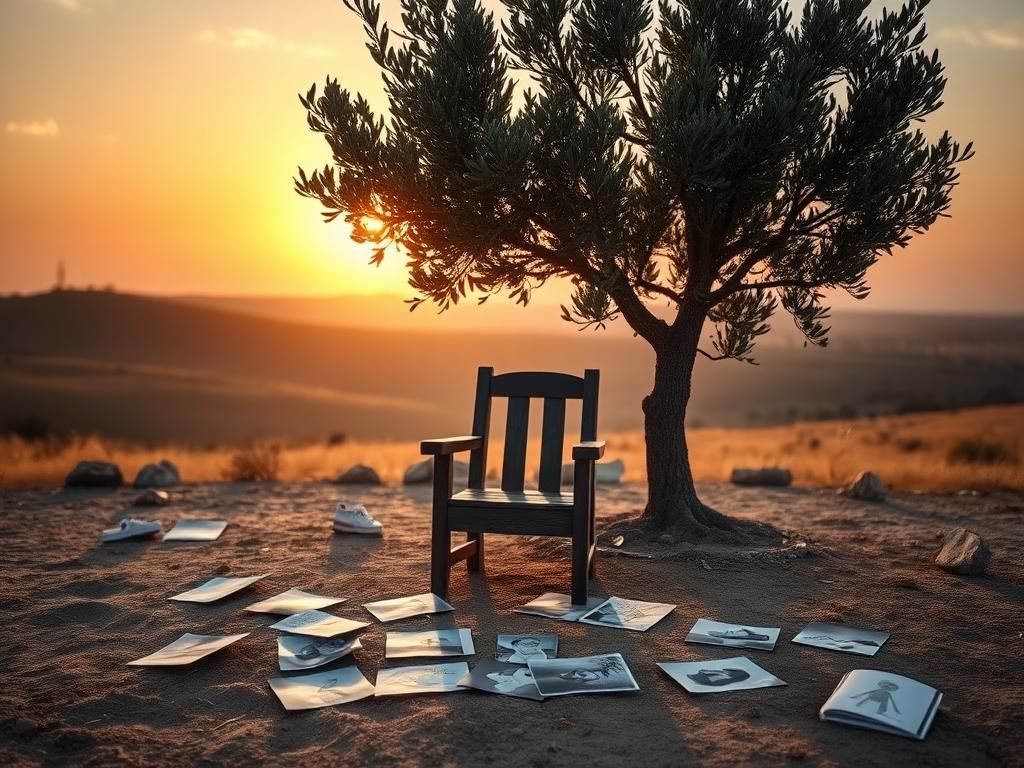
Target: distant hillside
[(155, 369)]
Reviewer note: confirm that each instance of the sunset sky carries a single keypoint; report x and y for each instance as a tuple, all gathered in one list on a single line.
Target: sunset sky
[(150, 145)]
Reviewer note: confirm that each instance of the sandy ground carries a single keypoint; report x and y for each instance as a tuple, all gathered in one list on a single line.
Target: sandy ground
[(74, 613)]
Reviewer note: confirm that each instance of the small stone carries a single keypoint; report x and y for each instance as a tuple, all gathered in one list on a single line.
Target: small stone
[(360, 474), (152, 498), (964, 552), (553, 747), (867, 487), (667, 538), (422, 472), (94, 474), (517, 731), (162, 475), (605, 472), (770, 476)]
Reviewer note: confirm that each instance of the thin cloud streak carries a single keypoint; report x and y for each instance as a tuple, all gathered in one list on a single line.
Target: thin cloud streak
[(252, 39), (1007, 35), (36, 129)]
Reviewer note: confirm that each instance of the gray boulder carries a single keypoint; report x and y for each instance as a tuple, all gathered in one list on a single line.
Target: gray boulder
[(360, 474), (964, 552), (151, 498), (162, 475), (867, 487), (422, 472), (94, 474), (771, 476), (605, 472)]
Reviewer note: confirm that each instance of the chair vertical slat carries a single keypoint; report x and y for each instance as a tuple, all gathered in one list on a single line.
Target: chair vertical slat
[(552, 437), (588, 424), (481, 427), (513, 468)]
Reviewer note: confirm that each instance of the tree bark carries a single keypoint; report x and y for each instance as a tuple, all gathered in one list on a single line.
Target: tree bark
[(672, 501)]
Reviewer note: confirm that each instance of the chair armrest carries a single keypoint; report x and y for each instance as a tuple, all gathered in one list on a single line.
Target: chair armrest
[(589, 451), (444, 446)]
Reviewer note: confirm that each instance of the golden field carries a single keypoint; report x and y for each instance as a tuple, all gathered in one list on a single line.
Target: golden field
[(977, 449)]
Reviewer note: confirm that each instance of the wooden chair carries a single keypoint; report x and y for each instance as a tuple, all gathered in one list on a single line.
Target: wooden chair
[(512, 509)]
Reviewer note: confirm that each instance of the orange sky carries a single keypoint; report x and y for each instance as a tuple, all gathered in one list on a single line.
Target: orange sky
[(151, 145)]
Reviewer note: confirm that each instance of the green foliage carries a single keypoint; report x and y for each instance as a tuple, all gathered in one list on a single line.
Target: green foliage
[(719, 154)]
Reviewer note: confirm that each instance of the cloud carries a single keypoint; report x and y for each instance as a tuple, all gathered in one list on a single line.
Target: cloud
[(251, 39), (1007, 34), (36, 129)]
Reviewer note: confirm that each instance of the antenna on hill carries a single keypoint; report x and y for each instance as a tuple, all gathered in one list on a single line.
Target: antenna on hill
[(60, 276)]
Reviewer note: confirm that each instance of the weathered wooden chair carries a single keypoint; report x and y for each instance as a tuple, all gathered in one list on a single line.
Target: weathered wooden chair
[(512, 509)]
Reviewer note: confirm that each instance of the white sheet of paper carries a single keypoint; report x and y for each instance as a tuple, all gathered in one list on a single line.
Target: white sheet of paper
[(186, 649), (883, 701), (321, 689), (432, 642), (719, 675), (404, 607), (621, 613), (432, 678), (217, 588), (318, 624), (196, 530), (295, 652), (555, 605), (708, 632), (293, 601), (607, 673)]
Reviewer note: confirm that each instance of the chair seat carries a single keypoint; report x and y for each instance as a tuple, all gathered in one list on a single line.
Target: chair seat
[(495, 497)]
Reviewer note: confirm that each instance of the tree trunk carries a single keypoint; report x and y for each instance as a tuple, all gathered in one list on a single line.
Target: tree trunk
[(672, 498)]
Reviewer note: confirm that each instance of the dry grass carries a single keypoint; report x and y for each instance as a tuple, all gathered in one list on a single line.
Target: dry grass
[(929, 451)]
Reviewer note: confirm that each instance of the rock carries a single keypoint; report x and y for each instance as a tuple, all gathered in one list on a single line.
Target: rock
[(94, 474), (162, 475), (866, 487), (667, 538), (360, 474), (964, 552), (422, 472), (772, 476), (152, 498), (605, 472)]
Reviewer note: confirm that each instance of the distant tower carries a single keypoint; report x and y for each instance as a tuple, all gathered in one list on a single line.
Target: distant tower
[(60, 276)]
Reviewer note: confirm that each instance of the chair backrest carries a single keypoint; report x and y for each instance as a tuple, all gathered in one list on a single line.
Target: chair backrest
[(554, 389)]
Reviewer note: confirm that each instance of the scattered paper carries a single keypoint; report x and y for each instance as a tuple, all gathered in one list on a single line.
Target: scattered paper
[(519, 649), (628, 614), (882, 701), (433, 678), (217, 588), (293, 601), (432, 642), (404, 607), (607, 673), (717, 675), (295, 652), (318, 624), (839, 637), (321, 689), (554, 605), (186, 649), (196, 530), (499, 677), (711, 632)]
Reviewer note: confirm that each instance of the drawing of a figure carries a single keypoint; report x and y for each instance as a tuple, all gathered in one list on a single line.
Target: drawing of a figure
[(511, 681), (599, 671), (625, 613), (719, 677), (316, 650), (742, 633), (843, 644), (882, 696)]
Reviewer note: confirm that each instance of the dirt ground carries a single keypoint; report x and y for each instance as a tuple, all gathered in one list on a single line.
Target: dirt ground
[(75, 612)]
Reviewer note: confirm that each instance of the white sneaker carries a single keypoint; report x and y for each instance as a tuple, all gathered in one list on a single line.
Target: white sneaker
[(132, 528), (355, 519)]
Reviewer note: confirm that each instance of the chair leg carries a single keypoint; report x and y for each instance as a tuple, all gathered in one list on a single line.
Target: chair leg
[(476, 562), (441, 534), (592, 570), (580, 533)]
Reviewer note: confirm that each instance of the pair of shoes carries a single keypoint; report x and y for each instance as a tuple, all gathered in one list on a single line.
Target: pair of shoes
[(355, 519), (132, 528)]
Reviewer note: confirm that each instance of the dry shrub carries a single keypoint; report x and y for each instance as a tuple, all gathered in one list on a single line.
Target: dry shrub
[(255, 462), (975, 450)]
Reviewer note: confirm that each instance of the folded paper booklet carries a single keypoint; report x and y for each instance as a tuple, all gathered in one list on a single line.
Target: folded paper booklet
[(839, 637), (293, 601), (607, 673), (432, 642), (217, 588), (186, 649), (318, 624), (883, 702), (404, 607), (555, 605), (718, 675), (500, 677), (628, 614), (295, 652), (432, 678), (196, 530), (711, 632), (519, 649), (321, 689)]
